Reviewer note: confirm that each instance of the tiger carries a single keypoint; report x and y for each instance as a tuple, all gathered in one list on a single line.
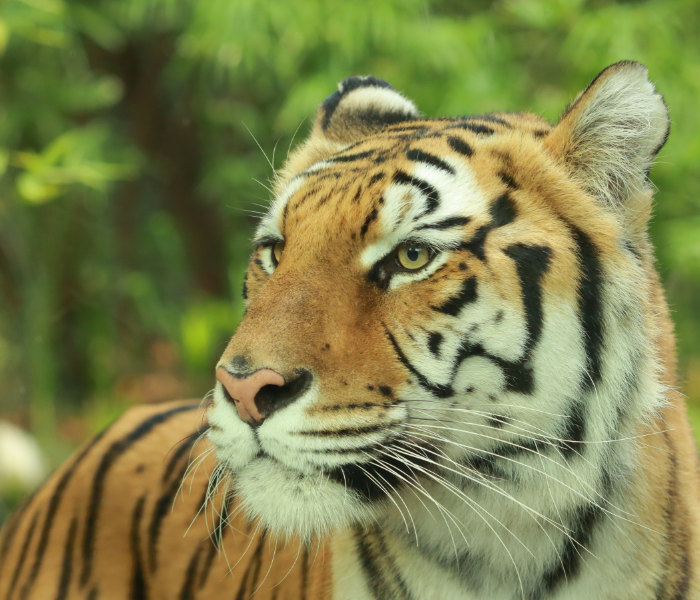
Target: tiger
[(455, 378)]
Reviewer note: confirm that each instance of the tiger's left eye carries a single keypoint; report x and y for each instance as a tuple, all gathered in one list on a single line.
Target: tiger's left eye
[(412, 257), (276, 253)]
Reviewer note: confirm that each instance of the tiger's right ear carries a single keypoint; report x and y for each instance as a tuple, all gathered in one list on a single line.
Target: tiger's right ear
[(360, 107)]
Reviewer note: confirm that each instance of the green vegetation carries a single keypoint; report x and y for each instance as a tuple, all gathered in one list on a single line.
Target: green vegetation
[(131, 165)]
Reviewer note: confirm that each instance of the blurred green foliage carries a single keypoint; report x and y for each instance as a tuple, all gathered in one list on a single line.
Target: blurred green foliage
[(131, 165)]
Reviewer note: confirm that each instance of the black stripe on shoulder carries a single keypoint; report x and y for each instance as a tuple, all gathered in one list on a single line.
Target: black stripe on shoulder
[(164, 503), (246, 589), (466, 295), (23, 553), (108, 459), (139, 589), (181, 448), (54, 503), (304, 591), (424, 157), (380, 570), (67, 563), (187, 591), (370, 566), (459, 145)]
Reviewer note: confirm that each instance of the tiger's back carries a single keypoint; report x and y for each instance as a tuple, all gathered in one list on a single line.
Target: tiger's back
[(121, 520)]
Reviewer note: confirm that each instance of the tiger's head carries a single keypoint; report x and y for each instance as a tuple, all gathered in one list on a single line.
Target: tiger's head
[(427, 297)]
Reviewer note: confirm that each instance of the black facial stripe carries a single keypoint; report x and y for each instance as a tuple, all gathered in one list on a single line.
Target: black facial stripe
[(502, 211), (347, 431), (476, 244), (244, 290), (446, 223), (424, 157), (487, 463), (368, 220), (575, 430), (531, 263), (590, 307), (459, 145), (567, 564), (508, 180), (441, 391), (376, 177), (431, 194), (466, 295), (367, 449), (350, 157), (434, 342), (370, 480), (474, 127)]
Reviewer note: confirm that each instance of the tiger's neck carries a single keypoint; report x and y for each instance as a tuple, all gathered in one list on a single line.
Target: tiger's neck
[(539, 525)]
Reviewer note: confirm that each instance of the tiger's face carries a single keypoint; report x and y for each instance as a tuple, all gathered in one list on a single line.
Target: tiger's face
[(424, 295)]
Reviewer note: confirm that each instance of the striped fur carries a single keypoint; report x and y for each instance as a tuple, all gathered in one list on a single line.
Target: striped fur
[(501, 423)]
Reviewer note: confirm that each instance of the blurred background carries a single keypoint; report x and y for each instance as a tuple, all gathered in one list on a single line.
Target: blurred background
[(136, 138)]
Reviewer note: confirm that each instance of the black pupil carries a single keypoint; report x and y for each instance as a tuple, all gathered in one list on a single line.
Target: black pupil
[(413, 254)]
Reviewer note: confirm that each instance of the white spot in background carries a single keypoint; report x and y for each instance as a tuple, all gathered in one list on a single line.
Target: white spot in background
[(22, 465)]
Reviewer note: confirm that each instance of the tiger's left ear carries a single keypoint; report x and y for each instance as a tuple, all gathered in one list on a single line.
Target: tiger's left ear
[(361, 106), (609, 135)]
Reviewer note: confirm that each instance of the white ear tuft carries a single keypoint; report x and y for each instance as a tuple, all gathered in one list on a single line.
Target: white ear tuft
[(360, 106), (611, 133)]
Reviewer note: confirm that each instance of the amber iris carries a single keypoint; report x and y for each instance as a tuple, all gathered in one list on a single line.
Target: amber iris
[(412, 257)]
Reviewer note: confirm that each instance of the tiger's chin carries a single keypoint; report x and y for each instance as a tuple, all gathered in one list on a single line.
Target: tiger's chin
[(291, 503)]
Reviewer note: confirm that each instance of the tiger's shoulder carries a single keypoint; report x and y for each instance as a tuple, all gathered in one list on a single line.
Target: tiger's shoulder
[(136, 512)]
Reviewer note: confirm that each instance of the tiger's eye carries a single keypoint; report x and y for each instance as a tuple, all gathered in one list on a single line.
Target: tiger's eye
[(412, 257), (277, 250)]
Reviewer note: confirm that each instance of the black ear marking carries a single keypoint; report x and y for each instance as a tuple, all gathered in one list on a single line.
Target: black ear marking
[(360, 107), (347, 85)]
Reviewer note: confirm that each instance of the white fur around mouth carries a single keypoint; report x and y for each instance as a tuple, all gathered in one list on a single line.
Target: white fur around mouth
[(292, 503)]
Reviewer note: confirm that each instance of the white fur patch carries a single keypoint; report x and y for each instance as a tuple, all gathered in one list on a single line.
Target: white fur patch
[(378, 98)]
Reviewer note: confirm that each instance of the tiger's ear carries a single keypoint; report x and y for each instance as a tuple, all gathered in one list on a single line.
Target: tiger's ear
[(609, 135), (361, 106)]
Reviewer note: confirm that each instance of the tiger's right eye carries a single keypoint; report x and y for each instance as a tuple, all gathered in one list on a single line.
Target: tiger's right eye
[(276, 252)]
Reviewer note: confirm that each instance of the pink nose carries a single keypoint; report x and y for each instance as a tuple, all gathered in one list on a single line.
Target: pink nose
[(243, 390)]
